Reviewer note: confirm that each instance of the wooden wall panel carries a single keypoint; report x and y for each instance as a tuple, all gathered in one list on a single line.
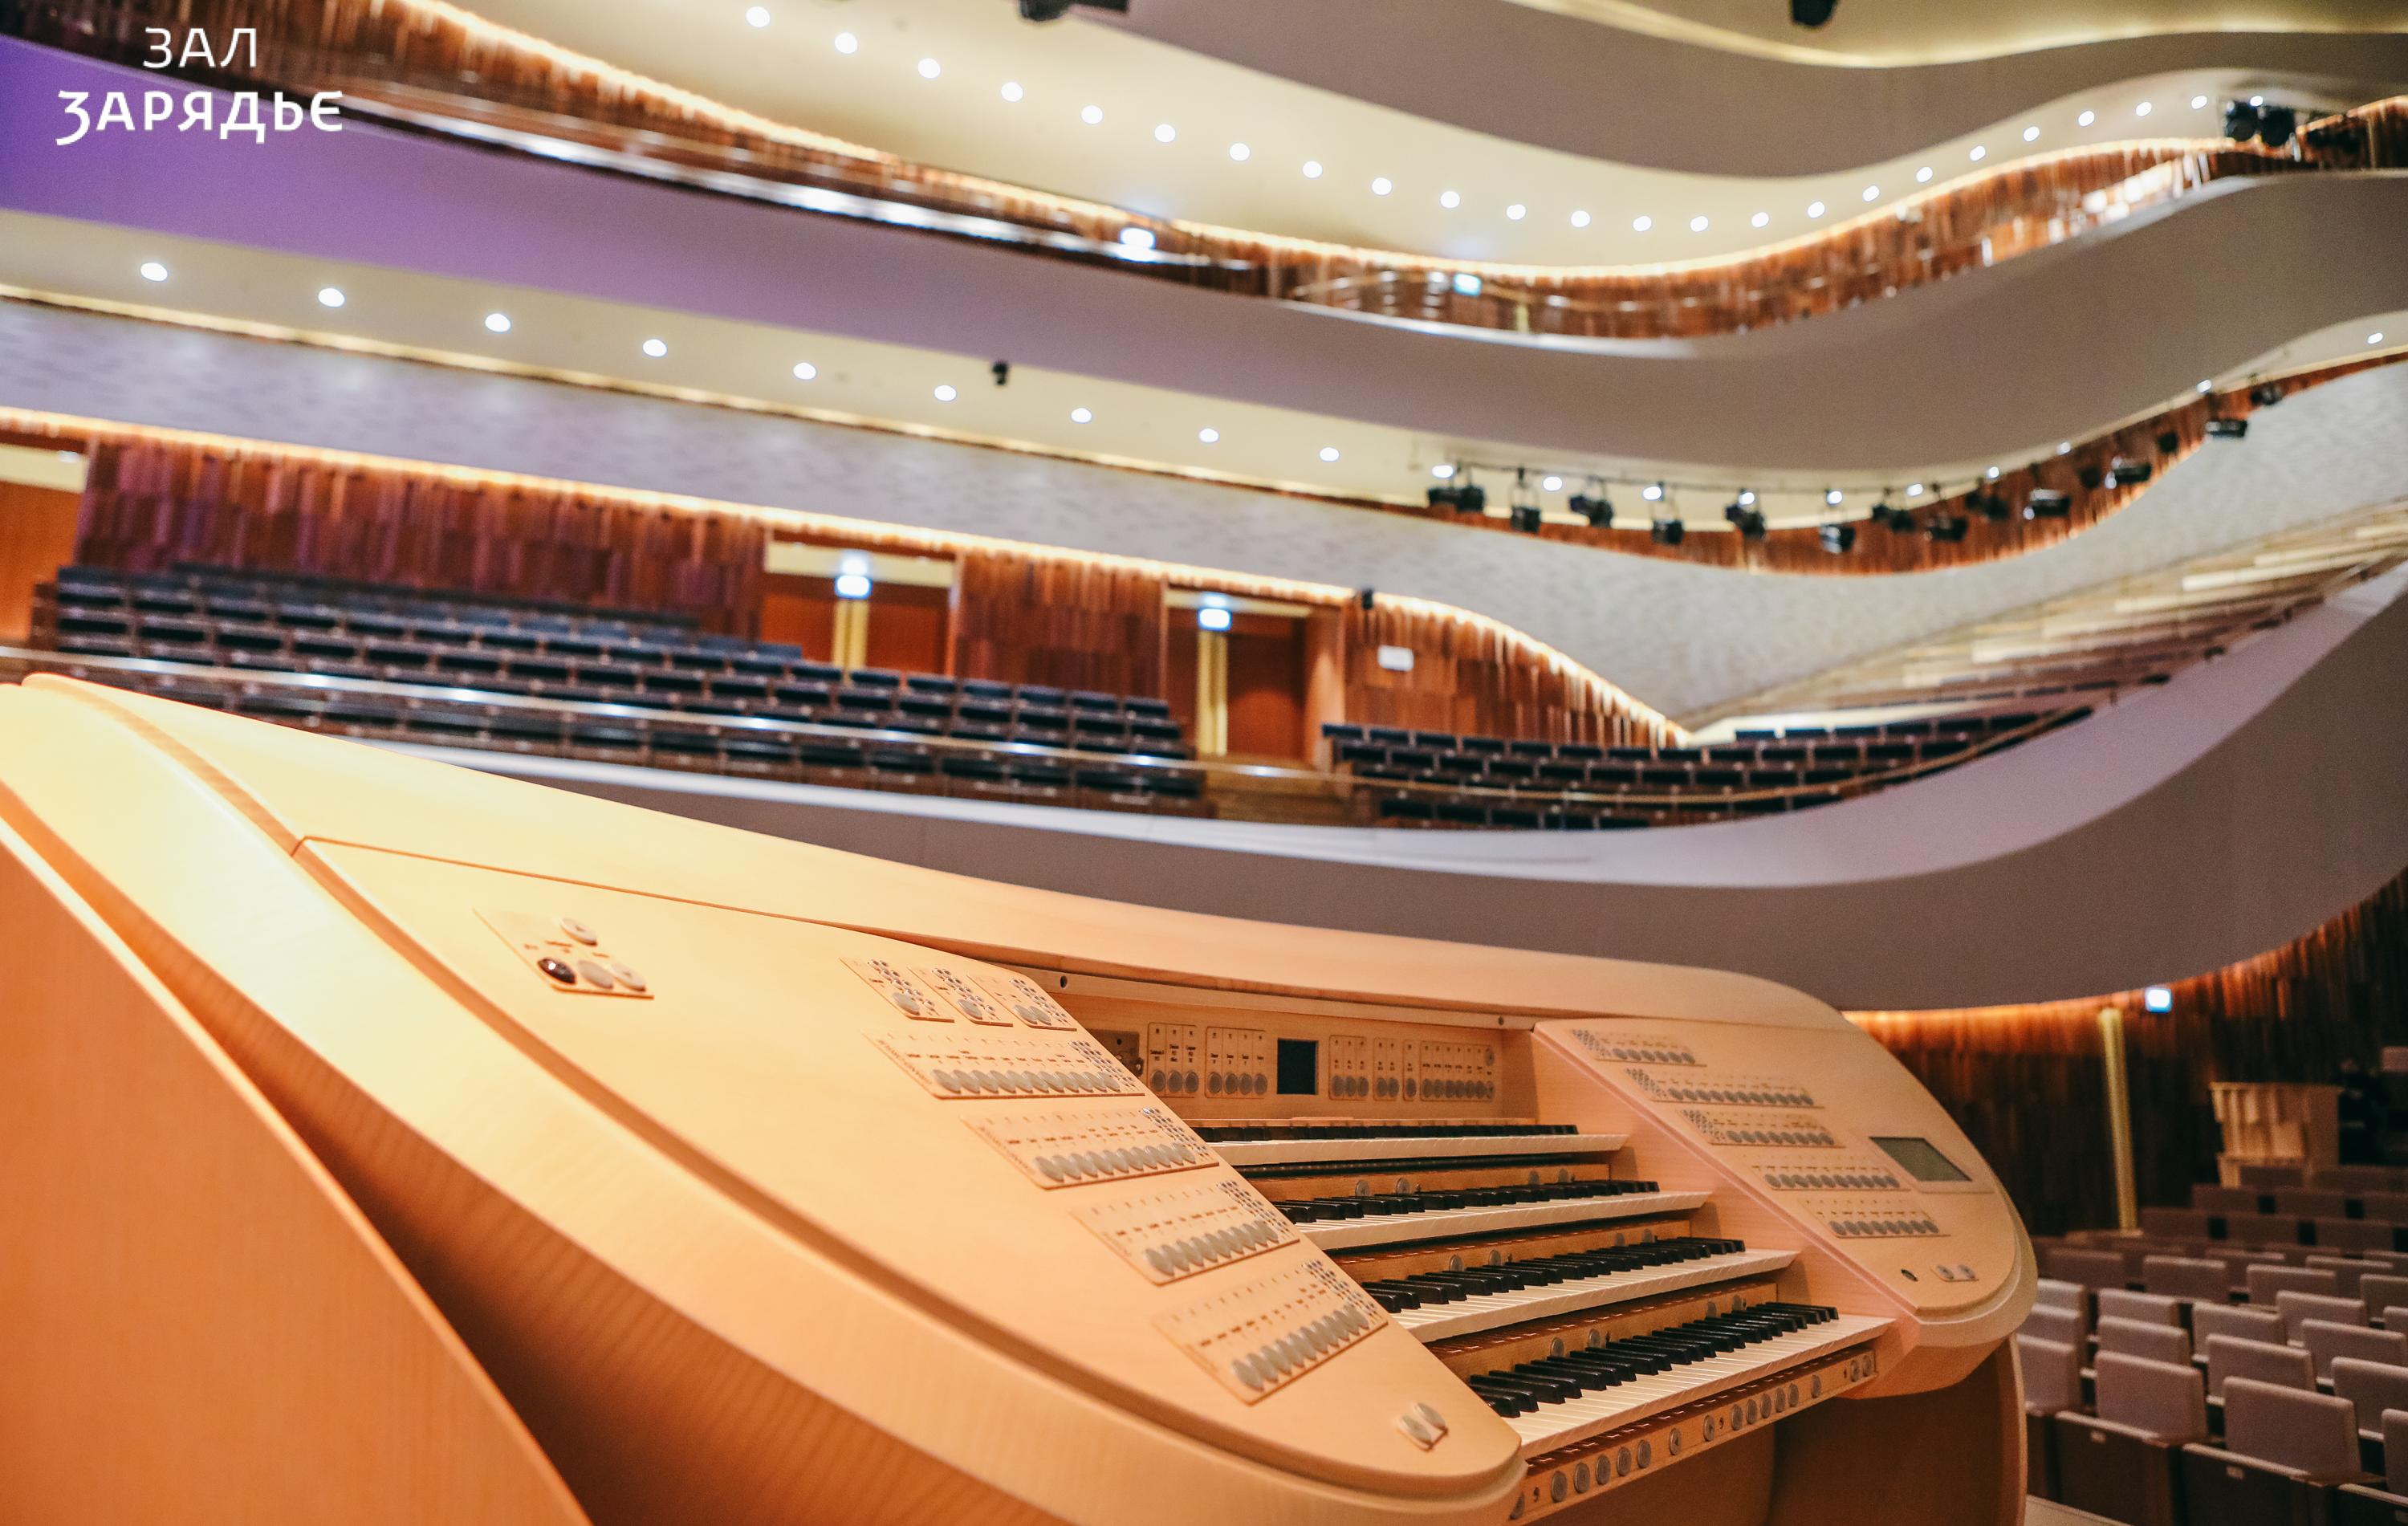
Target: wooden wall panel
[(37, 535), (1472, 678), (1029, 618), (2027, 1083), (149, 506), (910, 626), (1266, 686)]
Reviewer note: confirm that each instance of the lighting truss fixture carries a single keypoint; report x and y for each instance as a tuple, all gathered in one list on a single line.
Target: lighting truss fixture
[(2227, 428), (2047, 503), (1986, 504), (1747, 521), (2092, 476), (1948, 528), (1594, 506), (1462, 496), (1668, 532), (2266, 394), (1838, 539), (2124, 471), (2169, 441), (1889, 515), (1526, 517)]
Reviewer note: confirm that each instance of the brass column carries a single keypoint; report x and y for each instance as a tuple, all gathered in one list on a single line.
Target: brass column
[(1211, 693), (2119, 1116)]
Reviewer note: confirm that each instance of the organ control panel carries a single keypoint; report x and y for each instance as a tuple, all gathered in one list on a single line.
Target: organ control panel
[(1289, 1225)]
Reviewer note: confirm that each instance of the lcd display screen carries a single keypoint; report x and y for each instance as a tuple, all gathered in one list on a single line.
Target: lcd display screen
[(1921, 1161)]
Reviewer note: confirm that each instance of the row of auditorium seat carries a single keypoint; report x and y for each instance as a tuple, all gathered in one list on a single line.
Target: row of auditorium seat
[(263, 624), (1809, 767)]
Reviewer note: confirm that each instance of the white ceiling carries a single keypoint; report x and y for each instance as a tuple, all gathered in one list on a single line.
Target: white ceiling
[(1676, 635), (891, 386), (791, 71)]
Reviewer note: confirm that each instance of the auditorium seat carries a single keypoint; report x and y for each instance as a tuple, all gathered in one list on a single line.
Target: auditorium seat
[(2055, 1324), (2311, 1202), (2181, 1276), (2210, 1198), (2123, 1462), (2051, 1371), (2209, 1320), (2356, 1234), (2093, 1269), (2369, 1505), (2285, 1455), (2174, 1223), (2142, 1308), (2326, 1341), (2371, 1389), (2297, 1309), (2265, 1282), (2133, 1338), (2262, 1361)]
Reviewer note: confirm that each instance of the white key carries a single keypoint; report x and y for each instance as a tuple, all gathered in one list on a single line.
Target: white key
[(1488, 1311), (1448, 1223)]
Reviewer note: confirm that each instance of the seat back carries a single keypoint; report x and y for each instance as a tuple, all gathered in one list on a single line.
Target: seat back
[(2224, 1200), (2264, 1282), (2047, 1324), (2353, 1234), (2372, 1388), (2165, 1401), (2052, 1373), (2382, 1291), (2384, 1207), (2348, 1271), (2394, 1451), (2209, 1320), (2264, 1177), (2135, 1338), (2086, 1267), (2311, 1202), (2311, 1433), (2050, 1293), (2297, 1309), (2174, 1223), (2326, 1341), (2183, 1276), (2261, 1362), (2143, 1308)]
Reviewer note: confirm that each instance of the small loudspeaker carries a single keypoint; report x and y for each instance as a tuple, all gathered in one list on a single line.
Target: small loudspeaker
[(2227, 428)]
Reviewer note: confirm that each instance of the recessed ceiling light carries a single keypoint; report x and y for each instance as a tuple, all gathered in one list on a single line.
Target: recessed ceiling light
[(330, 297), (1550, 484), (1640, 225), (2198, 103), (1697, 225), (1312, 169), (2086, 119), (1516, 212), (498, 321), (1081, 415), (805, 370), (1329, 452), (153, 271), (2065, 447), (2375, 337), (2142, 110), (1914, 490), (1813, 208), (847, 43), (1759, 219), (930, 68), (1138, 238), (2031, 134), (945, 393), (1992, 474), (656, 347), (1443, 470), (1382, 186), (2206, 385), (1091, 114), (1979, 153), (1208, 436), (1163, 132), (1580, 220), (1923, 176), (1872, 193), (1012, 90), (1241, 152), (758, 15), (1449, 200)]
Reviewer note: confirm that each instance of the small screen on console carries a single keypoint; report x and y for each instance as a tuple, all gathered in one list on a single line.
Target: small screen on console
[(1922, 1162)]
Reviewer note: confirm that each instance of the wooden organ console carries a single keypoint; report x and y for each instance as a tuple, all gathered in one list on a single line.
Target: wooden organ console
[(388, 1142)]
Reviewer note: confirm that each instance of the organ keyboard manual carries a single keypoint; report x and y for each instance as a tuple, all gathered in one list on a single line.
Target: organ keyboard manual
[(427, 1146)]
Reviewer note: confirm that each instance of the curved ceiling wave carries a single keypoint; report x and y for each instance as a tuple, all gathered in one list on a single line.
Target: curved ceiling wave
[(1705, 89), (1632, 254)]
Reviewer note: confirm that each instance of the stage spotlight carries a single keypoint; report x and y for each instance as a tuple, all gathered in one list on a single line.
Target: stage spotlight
[(1748, 522), (1990, 506), (1668, 532), (2240, 121), (2047, 503), (2169, 441), (2092, 476), (1472, 498), (1896, 519), (2227, 428), (1526, 518), (2266, 394), (1445, 495), (1053, 10), (1838, 539), (1594, 507), (1949, 527), (1811, 12), (1001, 371), (2124, 471), (2275, 126)]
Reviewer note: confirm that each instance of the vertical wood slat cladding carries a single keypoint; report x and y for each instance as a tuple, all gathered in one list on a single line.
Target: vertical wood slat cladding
[(2028, 1084), (37, 526), (1025, 618), (152, 505), (1467, 678)]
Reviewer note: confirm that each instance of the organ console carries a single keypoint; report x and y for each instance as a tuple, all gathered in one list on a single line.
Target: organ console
[(392, 1143)]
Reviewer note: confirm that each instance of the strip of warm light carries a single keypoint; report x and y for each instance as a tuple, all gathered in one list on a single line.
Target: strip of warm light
[(876, 534)]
